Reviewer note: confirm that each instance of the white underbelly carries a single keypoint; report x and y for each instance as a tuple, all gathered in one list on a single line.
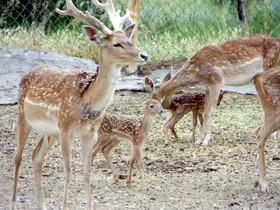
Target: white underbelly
[(46, 127), (239, 80), (242, 74)]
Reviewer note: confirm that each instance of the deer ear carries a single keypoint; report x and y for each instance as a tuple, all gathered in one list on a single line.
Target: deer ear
[(149, 84), (92, 35), (167, 77), (129, 31), (145, 103)]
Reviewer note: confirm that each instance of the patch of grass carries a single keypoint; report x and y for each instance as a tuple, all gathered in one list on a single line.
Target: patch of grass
[(167, 28), (69, 42)]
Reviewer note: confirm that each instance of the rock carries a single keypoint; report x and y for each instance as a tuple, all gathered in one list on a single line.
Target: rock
[(14, 63), (158, 188)]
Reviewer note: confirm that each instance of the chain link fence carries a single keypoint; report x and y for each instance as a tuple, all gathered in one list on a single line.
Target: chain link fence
[(167, 28)]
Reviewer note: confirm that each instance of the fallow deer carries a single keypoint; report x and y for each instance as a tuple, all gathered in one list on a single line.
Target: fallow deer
[(233, 63), (67, 103), (268, 88), (181, 105), (115, 128)]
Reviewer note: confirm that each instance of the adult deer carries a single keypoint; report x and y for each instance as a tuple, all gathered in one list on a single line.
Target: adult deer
[(67, 103), (181, 105), (115, 128), (233, 63), (268, 88)]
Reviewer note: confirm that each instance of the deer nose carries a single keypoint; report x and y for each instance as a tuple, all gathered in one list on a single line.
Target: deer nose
[(160, 111), (145, 57)]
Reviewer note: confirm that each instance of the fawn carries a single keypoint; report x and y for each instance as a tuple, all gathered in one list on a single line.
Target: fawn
[(181, 105), (115, 128)]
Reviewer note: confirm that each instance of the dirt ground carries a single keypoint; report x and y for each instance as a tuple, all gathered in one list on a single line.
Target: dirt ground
[(179, 176)]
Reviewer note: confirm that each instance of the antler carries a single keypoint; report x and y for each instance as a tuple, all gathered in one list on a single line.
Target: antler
[(116, 20), (85, 18)]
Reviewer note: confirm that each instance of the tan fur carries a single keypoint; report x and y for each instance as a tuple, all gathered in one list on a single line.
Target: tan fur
[(116, 128), (183, 104), (66, 103), (268, 88), (234, 62)]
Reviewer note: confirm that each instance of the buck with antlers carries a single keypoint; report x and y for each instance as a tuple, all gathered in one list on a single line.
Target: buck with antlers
[(67, 103), (115, 129), (268, 88), (232, 63)]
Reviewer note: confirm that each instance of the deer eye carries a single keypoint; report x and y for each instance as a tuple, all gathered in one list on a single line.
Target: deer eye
[(117, 45), (151, 106)]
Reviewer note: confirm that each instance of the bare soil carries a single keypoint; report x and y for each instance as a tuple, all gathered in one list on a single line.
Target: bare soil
[(179, 176)]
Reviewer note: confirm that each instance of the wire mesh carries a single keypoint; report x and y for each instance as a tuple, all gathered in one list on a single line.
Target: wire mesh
[(167, 28)]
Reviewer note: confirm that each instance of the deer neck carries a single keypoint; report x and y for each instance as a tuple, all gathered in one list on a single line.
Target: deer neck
[(100, 92), (166, 101), (146, 125)]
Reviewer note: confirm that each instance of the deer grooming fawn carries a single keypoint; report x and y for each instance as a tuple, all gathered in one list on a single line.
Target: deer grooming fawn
[(181, 105), (67, 103), (232, 63), (268, 88), (114, 129)]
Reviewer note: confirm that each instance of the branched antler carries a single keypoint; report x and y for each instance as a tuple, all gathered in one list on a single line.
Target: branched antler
[(116, 20), (84, 17)]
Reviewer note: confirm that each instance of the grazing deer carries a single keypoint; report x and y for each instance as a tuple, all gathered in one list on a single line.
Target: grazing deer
[(268, 88), (232, 63), (114, 129), (67, 103)]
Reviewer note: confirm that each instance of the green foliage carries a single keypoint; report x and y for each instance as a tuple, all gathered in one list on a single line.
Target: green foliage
[(167, 28), (264, 17)]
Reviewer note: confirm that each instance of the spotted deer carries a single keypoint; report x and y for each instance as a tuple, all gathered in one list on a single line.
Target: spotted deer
[(115, 128), (181, 105), (66, 103), (268, 88), (233, 63)]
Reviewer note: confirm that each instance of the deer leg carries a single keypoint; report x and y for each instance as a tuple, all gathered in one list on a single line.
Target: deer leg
[(170, 124), (106, 152), (210, 104), (23, 133), (87, 160), (38, 156), (132, 161), (66, 139), (100, 144), (260, 145), (265, 131), (140, 166), (200, 118), (194, 124)]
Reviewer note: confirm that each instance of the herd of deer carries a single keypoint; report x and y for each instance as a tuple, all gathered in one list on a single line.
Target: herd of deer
[(63, 103)]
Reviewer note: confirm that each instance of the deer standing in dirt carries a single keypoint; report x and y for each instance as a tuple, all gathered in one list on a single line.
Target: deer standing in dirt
[(180, 106), (232, 63), (268, 88), (66, 103), (115, 128)]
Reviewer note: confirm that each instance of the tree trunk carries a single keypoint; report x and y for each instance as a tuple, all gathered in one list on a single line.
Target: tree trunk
[(134, 7), (242, 14)]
